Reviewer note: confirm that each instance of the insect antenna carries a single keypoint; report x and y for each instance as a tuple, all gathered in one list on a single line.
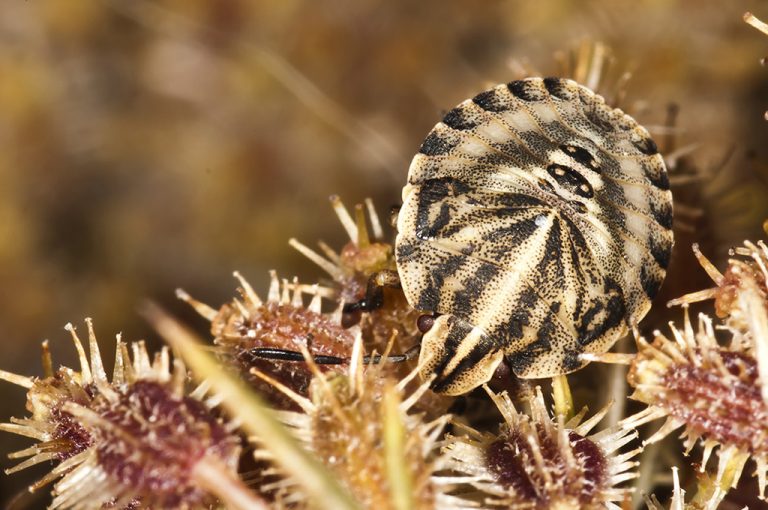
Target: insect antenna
[(296, 356)]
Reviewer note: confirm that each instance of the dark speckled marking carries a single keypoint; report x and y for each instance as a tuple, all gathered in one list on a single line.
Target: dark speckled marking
[(520, 90), (647, 146), (429, 299), (557, 88), (544, 336), (615, 313), (511, 235), (571, 360), (662, 214), (661, 254), (480, 350), (489, 102), (457, 331), (578, 207), (649, 282), (517, 200), (435, 145), (474, 285), (661, 181), (599, 122), (571, 180), (404, 251), (520, 360), (547, 186), (581, 155), (457, 119)]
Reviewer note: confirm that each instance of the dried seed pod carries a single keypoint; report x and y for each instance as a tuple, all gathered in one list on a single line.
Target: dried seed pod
[(139, 440), (244, 327), (714, 392), (365, 254), (354, 271), (749, 264), (539, 462), (360, 424)]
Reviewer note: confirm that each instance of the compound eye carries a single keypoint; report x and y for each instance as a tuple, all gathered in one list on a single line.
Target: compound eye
[(425, 323)]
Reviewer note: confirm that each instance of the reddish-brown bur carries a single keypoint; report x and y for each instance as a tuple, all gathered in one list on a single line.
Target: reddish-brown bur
[(73, 437), (49, 396), (369, 259), (395, 315), (513, 463), (290, 327), (360, 264), (729, 411), (134, 504), (348, 432), (593, 463), (154, 441), (506, 459), (279, 326), (733, 281)]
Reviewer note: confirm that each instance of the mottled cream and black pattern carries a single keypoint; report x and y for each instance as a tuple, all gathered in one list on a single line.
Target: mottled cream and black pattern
[(537, 221)]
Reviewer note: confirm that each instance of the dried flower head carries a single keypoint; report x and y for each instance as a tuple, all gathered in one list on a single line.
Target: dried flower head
[(360, 424), (362, 256), (541, 462), (741, 297), (365, 266), (713, 391), (748, 267), (138, 440), (282, 321)]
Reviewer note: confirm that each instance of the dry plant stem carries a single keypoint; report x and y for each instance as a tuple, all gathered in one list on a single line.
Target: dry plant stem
[(618, 394), (19, 380), (647, 474), (752, 20), (398, 471), (618, 388), (256, 418), (561, 393), (232, 492)]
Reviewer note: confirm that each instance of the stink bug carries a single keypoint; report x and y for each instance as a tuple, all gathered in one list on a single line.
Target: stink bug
[(536, 226), (536, 222)]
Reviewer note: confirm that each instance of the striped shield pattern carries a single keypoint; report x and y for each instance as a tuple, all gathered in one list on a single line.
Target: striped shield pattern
[(537, 225)]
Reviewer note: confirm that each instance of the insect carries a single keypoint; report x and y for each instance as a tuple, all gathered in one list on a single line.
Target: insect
[(536, 225)]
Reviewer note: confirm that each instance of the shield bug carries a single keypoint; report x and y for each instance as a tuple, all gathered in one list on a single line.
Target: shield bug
[(536, 225)]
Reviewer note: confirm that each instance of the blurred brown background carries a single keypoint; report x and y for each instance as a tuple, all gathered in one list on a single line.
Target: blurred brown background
[(146, 145)]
